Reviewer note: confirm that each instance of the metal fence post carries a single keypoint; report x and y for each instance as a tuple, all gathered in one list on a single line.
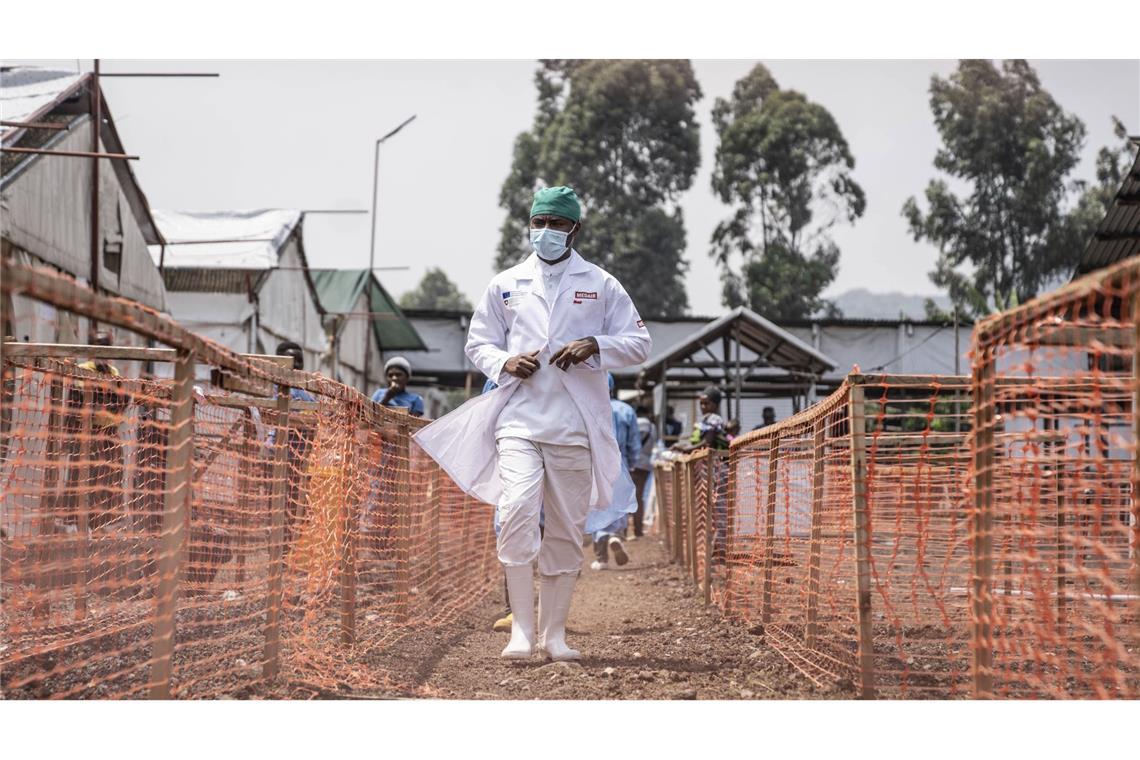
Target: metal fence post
[(175, 524)]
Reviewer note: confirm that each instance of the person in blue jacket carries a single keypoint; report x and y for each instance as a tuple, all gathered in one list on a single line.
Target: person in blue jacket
[(610, 538), (398, 371)]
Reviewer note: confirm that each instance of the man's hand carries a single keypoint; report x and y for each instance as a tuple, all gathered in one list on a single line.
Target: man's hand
[(523, 365), (575, 352)]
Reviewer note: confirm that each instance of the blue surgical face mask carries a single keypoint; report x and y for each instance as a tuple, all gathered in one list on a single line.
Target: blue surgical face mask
[(548, 244)]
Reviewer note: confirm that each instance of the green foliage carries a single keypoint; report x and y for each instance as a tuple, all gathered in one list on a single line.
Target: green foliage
[(624, 135), (435, 291), (781, 160), (1095, 199), (1012, 146)]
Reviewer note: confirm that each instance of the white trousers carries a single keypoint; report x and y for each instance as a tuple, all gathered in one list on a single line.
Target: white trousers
[(552, 479)]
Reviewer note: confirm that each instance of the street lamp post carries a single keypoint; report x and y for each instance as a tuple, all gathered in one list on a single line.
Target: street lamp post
[(372, 246)]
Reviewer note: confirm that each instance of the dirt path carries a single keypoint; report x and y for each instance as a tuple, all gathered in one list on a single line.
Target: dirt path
[(644, 634)]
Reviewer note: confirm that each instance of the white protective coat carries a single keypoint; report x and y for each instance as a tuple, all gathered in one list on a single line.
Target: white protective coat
[(589, 302)]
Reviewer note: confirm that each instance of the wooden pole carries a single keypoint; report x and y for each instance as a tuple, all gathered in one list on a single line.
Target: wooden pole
[(710, 523), (83, 501), (49, 500), (278, 504), (1059, 485), (729, 531), (434, 518), (175, 520), (403, 522), (663, 509), (691, 519), (678, 512), (245, 468), (856, 415), (1134, 517), (351, 506), (982, 559), (819, 463), (770, 528)]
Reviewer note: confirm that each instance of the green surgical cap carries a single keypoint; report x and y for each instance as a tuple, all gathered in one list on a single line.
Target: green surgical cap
[(559, 201)]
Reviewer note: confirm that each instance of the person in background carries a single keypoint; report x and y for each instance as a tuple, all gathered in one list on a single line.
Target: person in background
[(647, 435), (732, 429), (609, 538), (672, 424), (398, 371), (710, 428), (769, 415)]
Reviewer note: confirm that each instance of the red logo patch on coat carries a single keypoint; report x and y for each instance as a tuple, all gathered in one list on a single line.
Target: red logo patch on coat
[(640, 323), (586, 294)]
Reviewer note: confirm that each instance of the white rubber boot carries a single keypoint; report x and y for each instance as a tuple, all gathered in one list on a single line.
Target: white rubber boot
[(553, 607), (520, 589)]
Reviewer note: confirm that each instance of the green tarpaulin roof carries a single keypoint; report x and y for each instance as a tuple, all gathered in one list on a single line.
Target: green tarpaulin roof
[(338, 291)]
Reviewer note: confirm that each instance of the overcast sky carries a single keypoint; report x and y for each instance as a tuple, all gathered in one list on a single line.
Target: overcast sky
[(300, 134)]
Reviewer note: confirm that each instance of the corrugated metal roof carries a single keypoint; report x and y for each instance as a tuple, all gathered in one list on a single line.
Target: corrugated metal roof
[(1118, 235), (26, 91), (338, 291), (250, 239), (778, 347), (33, 94)]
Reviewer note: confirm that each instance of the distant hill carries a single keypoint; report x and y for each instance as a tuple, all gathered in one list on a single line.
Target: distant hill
[(861, 303)]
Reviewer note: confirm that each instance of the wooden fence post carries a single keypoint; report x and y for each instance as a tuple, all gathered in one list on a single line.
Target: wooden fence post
[(664, 510), (434, 518), (729, 531), (710, 523), (691, 518), (175, 523), (403, 521), (245, 468), (982, 559), (83, 501), (819, 462), (49, 502), (1134, 517), (279, 502), (857, 417), (678, 511), (770, 528), (350, 510)]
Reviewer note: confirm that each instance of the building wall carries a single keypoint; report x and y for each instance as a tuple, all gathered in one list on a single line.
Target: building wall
[(47, 212), (350, 350), (287, 311)]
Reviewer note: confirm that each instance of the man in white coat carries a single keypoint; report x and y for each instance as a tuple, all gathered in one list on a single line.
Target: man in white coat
[(547, 331)]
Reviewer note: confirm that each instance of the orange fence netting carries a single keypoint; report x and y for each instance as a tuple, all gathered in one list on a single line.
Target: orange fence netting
[(177, 536)]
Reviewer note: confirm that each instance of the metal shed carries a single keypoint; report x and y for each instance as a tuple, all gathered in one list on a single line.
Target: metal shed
[(241, 278), (49, 200), (741, 351), (352, 300)]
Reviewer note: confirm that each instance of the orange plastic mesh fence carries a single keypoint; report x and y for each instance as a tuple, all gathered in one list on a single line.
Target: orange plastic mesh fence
[(1057, 589), (784, 508), (176, 537)]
